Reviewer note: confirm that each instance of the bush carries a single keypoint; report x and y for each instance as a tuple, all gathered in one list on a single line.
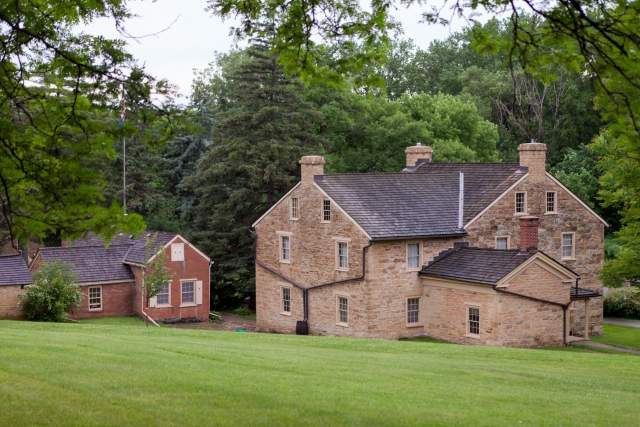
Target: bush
[(243, 312), (215, 316), (622, 302), (53, 294)]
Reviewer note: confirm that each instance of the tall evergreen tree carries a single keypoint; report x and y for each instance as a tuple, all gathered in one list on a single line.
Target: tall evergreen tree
[(258, 141)]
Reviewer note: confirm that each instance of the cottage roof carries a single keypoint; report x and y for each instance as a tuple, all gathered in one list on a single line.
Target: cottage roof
[(14, 271), (486, 266), (93, 263), (420, 203), (137, 245)]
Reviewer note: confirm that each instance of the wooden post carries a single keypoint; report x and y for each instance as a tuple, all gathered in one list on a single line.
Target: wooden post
[(586, 318)]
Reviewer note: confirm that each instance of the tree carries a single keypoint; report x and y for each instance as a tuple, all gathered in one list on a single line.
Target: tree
[(53, 294), (155, 272), (258, 139)]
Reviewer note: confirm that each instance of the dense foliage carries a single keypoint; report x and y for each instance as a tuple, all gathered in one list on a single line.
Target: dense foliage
[(622, 302), (53, 294)]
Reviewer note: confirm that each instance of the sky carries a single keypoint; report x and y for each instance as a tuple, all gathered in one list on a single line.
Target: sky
[(195, 35)]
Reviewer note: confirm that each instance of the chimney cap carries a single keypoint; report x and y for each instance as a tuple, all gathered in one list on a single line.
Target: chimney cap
[(312, 160), (418, 144)]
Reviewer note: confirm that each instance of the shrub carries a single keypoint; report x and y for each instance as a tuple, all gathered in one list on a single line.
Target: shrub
[(53, 294), (622, 302), (215, 316), (243, 312)]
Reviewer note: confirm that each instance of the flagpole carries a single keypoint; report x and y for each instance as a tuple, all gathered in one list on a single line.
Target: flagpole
[(124, 175)]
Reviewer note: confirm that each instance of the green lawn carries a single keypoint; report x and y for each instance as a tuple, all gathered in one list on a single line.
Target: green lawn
[(621, 336), (90, 374), (117, 321)]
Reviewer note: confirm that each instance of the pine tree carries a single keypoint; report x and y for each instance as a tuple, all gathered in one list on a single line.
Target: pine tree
[(258, 140)]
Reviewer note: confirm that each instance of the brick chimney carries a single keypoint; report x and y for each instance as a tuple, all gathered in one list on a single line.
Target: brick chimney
[(528, 233), (311, 165), (418, 152), (533, 155)]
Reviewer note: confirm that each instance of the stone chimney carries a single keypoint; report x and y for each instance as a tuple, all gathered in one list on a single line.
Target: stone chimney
[(533, 155), (528, 233), (418, 152), (311, 165)]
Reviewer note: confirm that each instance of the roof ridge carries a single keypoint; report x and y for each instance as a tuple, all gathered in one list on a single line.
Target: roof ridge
[(85, 246), (8, 255)]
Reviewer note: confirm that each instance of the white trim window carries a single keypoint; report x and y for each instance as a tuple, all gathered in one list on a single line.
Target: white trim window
[(342, 310), (285, 248), (413, 256), (95, 298), (473, 320), (551, 202), (162, 298), (295, 209), (188, 292), (286, 300), (342, 255), (413, 310), (502, 242), (521, 202), (326, 211), (568, 249)]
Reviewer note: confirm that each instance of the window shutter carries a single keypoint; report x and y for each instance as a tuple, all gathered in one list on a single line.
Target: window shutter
[(199, 292), (152, 302)]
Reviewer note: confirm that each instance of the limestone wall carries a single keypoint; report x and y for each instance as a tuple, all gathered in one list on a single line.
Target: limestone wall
[(9, 302)]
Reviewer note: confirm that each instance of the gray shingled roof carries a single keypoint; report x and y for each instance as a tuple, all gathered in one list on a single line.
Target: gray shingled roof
[(485, 266), (421, 203), (577, 293), (14, 271), (93, 263), (138, 245)]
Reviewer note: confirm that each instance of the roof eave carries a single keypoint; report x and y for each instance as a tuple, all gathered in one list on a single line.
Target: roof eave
[(428, 236), (456, 279)]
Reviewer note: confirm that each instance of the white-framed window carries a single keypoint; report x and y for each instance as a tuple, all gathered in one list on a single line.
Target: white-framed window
[(413, 310), (177, 252), (286, 301), (413, 256), (473, 320), (342, 310), (521, 202), (503, 242), (342, 255), (551, 202), (284, 246), (188, 292), (568, 245), (326, 211), (95, 298), (295, 209), (162, 298)]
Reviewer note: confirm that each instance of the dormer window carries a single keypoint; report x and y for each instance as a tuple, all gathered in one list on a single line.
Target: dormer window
[(521, 202), (326, 211)]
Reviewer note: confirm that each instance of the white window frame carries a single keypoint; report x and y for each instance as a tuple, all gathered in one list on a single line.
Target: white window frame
[(546, 203), (339, 310), (283, 291), (515, 200), (325, 202), (504, 237), (468, 321), (174, 256), (294, 208), (419, 243), (281, 238), (406, 306), (168, 303), (89, 298), (573, 246), (338, 265), (188, 303)]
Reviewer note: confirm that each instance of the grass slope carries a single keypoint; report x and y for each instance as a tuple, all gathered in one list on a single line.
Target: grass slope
[(621, 336), (83, 374)]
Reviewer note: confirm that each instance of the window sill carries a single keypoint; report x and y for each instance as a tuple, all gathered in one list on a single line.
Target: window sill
[(413, 325), (163, 306), (95, 309), (552, 213), (189, 304), (413, 270), (285, 261), (344, 325), (285, 313), (293, 219), (325, 222), (342, 269), (520, 213), (568, 259), (472, 336)]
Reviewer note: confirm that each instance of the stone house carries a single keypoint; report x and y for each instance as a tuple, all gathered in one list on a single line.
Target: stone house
[(355, 254), (14, 276), (111, 277)]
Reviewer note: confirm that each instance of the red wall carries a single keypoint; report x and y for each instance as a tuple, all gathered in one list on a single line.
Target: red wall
[(117, 300)]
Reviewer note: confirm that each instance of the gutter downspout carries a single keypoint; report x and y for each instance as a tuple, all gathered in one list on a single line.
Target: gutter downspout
[(564, 308), (305, 291)]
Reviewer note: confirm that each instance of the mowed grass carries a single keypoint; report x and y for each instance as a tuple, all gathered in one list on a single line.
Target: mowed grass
[(621, 336), (83, 374)]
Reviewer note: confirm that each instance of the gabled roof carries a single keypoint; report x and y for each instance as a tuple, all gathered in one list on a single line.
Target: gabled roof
[(14, 271), (93, 263), (421, 203)]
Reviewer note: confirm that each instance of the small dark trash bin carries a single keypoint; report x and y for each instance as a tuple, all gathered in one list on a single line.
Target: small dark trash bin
[(302, 327)]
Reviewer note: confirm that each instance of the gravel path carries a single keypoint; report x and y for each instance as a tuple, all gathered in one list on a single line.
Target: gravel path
[(633, 324)]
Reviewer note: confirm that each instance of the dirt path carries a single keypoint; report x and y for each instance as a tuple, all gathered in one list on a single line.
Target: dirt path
[(228, 323), (633, 324), (607, 346)]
